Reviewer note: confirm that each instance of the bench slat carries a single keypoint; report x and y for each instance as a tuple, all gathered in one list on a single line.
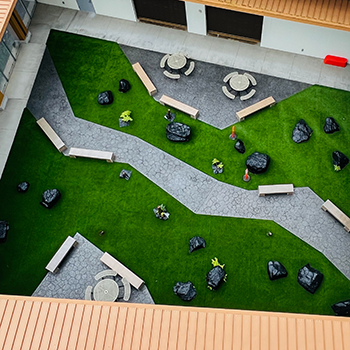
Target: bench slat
[(144, 78), (337, 213), (122, 270), (50, 133), (63, 250), (275, 189), (168, 101), (91, 153), (267, 102)]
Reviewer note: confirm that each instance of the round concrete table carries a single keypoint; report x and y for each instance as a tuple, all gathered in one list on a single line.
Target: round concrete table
[(106, 290), (177, 61), (239, 82)]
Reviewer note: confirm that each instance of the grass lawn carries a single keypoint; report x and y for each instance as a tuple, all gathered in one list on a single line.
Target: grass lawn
[(94, 198), (88, 66)]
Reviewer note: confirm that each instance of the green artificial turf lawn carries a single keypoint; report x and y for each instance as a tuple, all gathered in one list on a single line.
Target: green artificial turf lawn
[(88, 66), (94, 199)]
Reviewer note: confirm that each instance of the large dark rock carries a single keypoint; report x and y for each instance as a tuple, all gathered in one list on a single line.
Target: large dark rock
[(215, 276), (342, 308), (330, 126), (276, 270), (23, 187), (340, 159), (186, 291), (217, 169), (178, 132), (301, 132), (4, 228), (124, 86), (310, 278), (239, 146), (196, 243), (105, 98), (258, 163), (50, 198)]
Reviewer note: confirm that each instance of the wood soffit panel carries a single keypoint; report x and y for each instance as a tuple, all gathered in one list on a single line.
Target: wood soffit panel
[(327, 13), (6, 9), (28, 323)]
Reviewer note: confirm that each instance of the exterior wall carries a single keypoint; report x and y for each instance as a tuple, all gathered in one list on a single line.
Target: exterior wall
[(123, 9), (196, 19), (304, 39), (70, 4)]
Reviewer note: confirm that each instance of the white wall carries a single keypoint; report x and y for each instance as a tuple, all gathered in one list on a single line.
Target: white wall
[(304, 38), (70, 4), (196, 19), (123, 9)]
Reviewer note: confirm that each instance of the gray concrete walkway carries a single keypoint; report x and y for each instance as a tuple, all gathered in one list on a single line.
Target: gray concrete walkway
[(300, 213)]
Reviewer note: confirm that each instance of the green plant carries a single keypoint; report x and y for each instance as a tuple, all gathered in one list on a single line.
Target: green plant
[(220, 165), (215, 161), (337, 168), (215, 262), (162, 207), (125, 116)]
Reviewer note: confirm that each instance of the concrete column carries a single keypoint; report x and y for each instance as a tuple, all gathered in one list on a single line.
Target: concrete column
[(123, 9), (196, 18)]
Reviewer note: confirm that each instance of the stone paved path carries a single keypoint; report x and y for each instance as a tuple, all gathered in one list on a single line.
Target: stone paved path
[(300, 213)]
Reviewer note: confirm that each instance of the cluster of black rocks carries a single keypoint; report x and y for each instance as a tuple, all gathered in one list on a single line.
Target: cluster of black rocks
[(308, 277)]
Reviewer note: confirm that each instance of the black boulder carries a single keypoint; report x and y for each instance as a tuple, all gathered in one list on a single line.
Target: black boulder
[(340, 159), (330, 126), (342, 308), (239, 146), (310, 278), (215, 276), (4, 228), (50, 198), (23, 187), (258, 163), (301, 132), (276, 270), (196, 243), (124, 85), (105, 98), (178, 132), (186, 291)]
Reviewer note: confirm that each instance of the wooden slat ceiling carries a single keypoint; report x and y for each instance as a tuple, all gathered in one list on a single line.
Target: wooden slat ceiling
[(327, 13), (6, 8), (28, 323)]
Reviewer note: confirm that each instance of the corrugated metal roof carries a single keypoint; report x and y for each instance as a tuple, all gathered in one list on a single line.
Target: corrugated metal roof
[(327, 13), (6, 8), (28, 323)]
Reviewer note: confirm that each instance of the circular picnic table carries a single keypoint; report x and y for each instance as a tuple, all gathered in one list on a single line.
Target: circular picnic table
[(106, 290), (177, 61), (239, 82)]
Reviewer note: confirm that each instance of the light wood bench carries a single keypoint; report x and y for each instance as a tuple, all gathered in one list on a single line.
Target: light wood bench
[(337, 213), (168, 101), (228, 93), (267, 102), (144, 78), (127, 289), (105, 273), (275, 189), (91, 153), (50, 133), (122, 270), (64, 249)]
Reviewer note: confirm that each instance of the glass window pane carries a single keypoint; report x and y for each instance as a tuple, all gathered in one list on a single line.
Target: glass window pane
[(23, 13), (6, 60), (10, 39), (30, 5)]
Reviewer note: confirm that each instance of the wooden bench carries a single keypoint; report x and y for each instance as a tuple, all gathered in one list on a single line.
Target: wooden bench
[(228, 93), (337, 213), (275, 189), (122, 270), (127, 289), (50, 133), (64, 249), (168, 101), (105, 273), (91, 153), (267, 102), (144, 78), (249, 95)]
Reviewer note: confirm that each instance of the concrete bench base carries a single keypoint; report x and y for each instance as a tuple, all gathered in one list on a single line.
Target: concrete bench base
[(275, 189), (337, 214), (168, 101)]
